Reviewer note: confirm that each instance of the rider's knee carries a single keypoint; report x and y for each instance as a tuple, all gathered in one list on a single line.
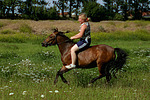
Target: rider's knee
[(72, 49)]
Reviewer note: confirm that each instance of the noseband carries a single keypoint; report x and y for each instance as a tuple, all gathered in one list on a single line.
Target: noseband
[(49, 44)]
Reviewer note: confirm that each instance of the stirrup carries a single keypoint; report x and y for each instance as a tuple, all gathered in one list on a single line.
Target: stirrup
[(70, 66)]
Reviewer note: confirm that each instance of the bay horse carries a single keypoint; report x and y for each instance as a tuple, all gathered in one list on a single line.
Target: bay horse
[(106, 58)]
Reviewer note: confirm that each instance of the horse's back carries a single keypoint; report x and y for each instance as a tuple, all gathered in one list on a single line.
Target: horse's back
[(95, 53), (97, 48)]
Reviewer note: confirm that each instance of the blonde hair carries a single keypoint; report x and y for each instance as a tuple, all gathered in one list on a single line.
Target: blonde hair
[(84, 17)]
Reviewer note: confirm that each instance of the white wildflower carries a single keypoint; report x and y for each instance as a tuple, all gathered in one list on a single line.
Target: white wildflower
[(51, 91), (24, 92), (11, 93), (115, 96), (56, 91), (5, 86), (42, 96)]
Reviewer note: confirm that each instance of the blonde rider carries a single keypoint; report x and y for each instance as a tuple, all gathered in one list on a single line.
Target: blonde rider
[(85, 39)]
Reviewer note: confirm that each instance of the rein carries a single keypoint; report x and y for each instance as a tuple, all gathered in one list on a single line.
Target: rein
[(55, 39), (64, 42)]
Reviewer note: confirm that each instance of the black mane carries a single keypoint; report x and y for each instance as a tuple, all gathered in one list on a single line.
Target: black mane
[(67, 38)]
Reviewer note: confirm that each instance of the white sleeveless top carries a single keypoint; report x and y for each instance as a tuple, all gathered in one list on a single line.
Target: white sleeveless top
[(87, 30)]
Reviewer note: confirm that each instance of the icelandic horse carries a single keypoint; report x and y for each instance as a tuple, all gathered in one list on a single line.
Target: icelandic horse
[(106, 58)]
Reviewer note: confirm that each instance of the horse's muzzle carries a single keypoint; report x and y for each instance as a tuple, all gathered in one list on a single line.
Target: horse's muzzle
[(44, 45)]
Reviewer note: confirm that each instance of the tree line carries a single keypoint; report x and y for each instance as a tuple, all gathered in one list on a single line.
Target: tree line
[(43, 10)]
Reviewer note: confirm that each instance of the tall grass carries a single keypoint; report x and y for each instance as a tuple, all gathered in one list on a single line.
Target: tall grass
[(127, 36), (8, 32), (1, 24), (141, 23), (6, 36)]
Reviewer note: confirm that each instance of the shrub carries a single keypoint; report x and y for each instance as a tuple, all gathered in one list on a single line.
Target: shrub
[(12, 38), (7, 32), (25, 28), (21, 38), (126, 25), (1, 25), (101, 28), (118, 17), (141, 23)]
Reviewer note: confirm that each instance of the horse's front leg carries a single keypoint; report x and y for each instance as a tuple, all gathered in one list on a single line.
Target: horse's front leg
[(63, 79), (56, 79), (60, 73)]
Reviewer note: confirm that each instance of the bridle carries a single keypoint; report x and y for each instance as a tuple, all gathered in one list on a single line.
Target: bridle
[(49, 44), (55, 39)]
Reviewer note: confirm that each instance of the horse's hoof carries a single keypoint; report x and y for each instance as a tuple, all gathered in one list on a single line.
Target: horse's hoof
[(68, 83), (55, 82)]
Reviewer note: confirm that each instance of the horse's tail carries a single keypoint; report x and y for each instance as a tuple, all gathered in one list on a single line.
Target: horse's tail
[(119, 61)]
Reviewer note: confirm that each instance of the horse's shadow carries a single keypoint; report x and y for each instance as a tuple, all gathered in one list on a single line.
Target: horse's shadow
[(82, 78)]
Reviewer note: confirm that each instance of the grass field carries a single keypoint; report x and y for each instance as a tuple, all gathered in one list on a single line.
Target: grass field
[(27, 70)]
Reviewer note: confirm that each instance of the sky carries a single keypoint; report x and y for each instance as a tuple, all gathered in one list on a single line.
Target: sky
[(100, 1)]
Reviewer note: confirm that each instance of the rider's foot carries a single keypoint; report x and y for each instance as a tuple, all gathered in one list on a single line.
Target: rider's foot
[(71, 66)]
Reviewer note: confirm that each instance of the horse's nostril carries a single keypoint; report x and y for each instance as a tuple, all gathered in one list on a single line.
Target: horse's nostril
[(42, 44)]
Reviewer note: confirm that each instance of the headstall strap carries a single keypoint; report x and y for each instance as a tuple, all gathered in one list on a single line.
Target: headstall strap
[(56, 40)]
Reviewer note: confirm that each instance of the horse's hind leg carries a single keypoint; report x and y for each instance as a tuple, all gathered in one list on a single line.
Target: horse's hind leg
[(108, 77), (94, 79), (60, 73), (100, 76), (108, 74)]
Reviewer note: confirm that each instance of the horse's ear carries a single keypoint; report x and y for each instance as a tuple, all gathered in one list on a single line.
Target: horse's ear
[(55, 30)]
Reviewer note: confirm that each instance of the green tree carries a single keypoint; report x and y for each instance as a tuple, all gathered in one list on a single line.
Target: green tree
[(70, 7), (61, 4), (144, 6), (109, 6), (14, 4), (52, 13), (138, 6), (95, 11), (77, 5), (33, 9), (7, 8), (1, 9)]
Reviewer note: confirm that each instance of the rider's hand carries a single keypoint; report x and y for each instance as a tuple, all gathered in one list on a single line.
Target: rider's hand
[(71, 38)]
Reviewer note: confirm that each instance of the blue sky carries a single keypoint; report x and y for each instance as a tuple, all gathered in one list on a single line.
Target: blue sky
[(100, 1)]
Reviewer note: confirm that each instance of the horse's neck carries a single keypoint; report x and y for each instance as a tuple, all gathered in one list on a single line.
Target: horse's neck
[(63, 45)]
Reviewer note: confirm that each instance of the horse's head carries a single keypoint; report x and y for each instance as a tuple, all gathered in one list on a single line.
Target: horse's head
[(51, 39)]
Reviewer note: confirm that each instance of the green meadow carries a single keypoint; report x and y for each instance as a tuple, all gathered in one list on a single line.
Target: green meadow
[(27, 70)]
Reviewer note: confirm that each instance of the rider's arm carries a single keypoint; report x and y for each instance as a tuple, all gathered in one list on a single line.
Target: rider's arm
[(80, 34)]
